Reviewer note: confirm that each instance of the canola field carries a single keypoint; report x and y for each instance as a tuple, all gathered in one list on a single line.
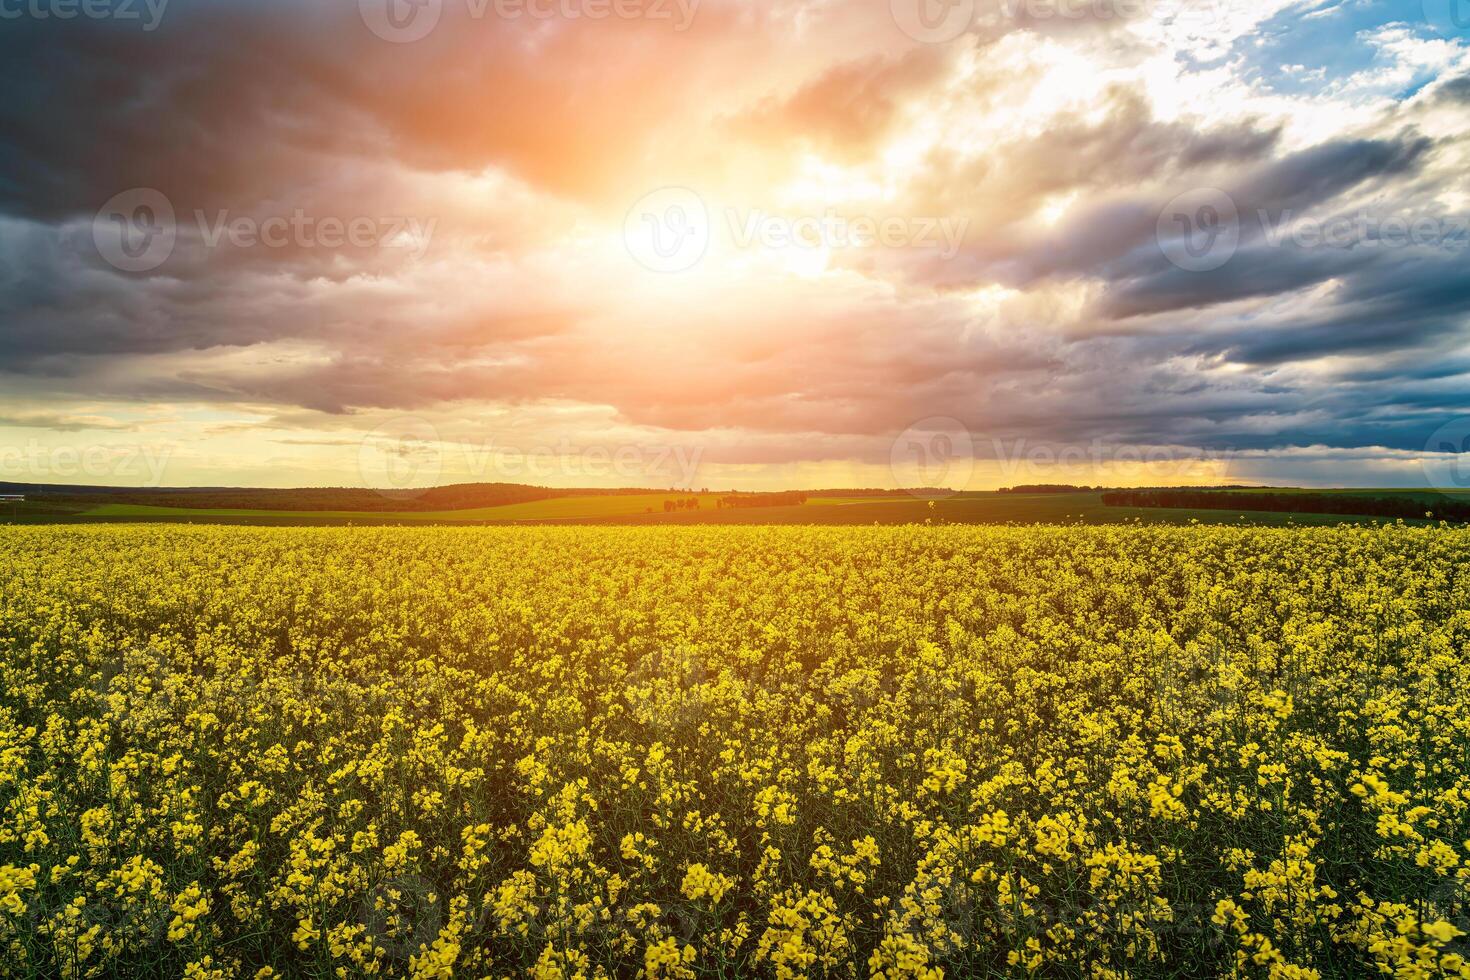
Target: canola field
[(734, 751)]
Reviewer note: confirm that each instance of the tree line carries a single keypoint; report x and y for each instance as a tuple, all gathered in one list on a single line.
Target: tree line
[(1356, 505), (1048, 488), (787, 498)]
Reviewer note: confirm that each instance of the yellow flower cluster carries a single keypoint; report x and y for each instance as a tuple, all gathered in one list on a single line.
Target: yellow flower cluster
[(700, 882), (702, 752)]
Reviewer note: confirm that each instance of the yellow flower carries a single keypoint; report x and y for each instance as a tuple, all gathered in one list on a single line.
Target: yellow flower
[(1441, 932), (700, 882)]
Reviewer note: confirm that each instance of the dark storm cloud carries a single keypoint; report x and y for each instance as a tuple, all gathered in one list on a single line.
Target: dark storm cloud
[(215, 105), (1119, 241), (1093, 154), (1396, 303), (229, 103), (1254, 272)]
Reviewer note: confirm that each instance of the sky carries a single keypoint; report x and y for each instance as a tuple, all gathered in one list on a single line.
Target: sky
[(734, 244)]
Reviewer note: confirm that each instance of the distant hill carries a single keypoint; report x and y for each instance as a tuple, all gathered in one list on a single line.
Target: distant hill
[(464, 496), (461, 497)]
